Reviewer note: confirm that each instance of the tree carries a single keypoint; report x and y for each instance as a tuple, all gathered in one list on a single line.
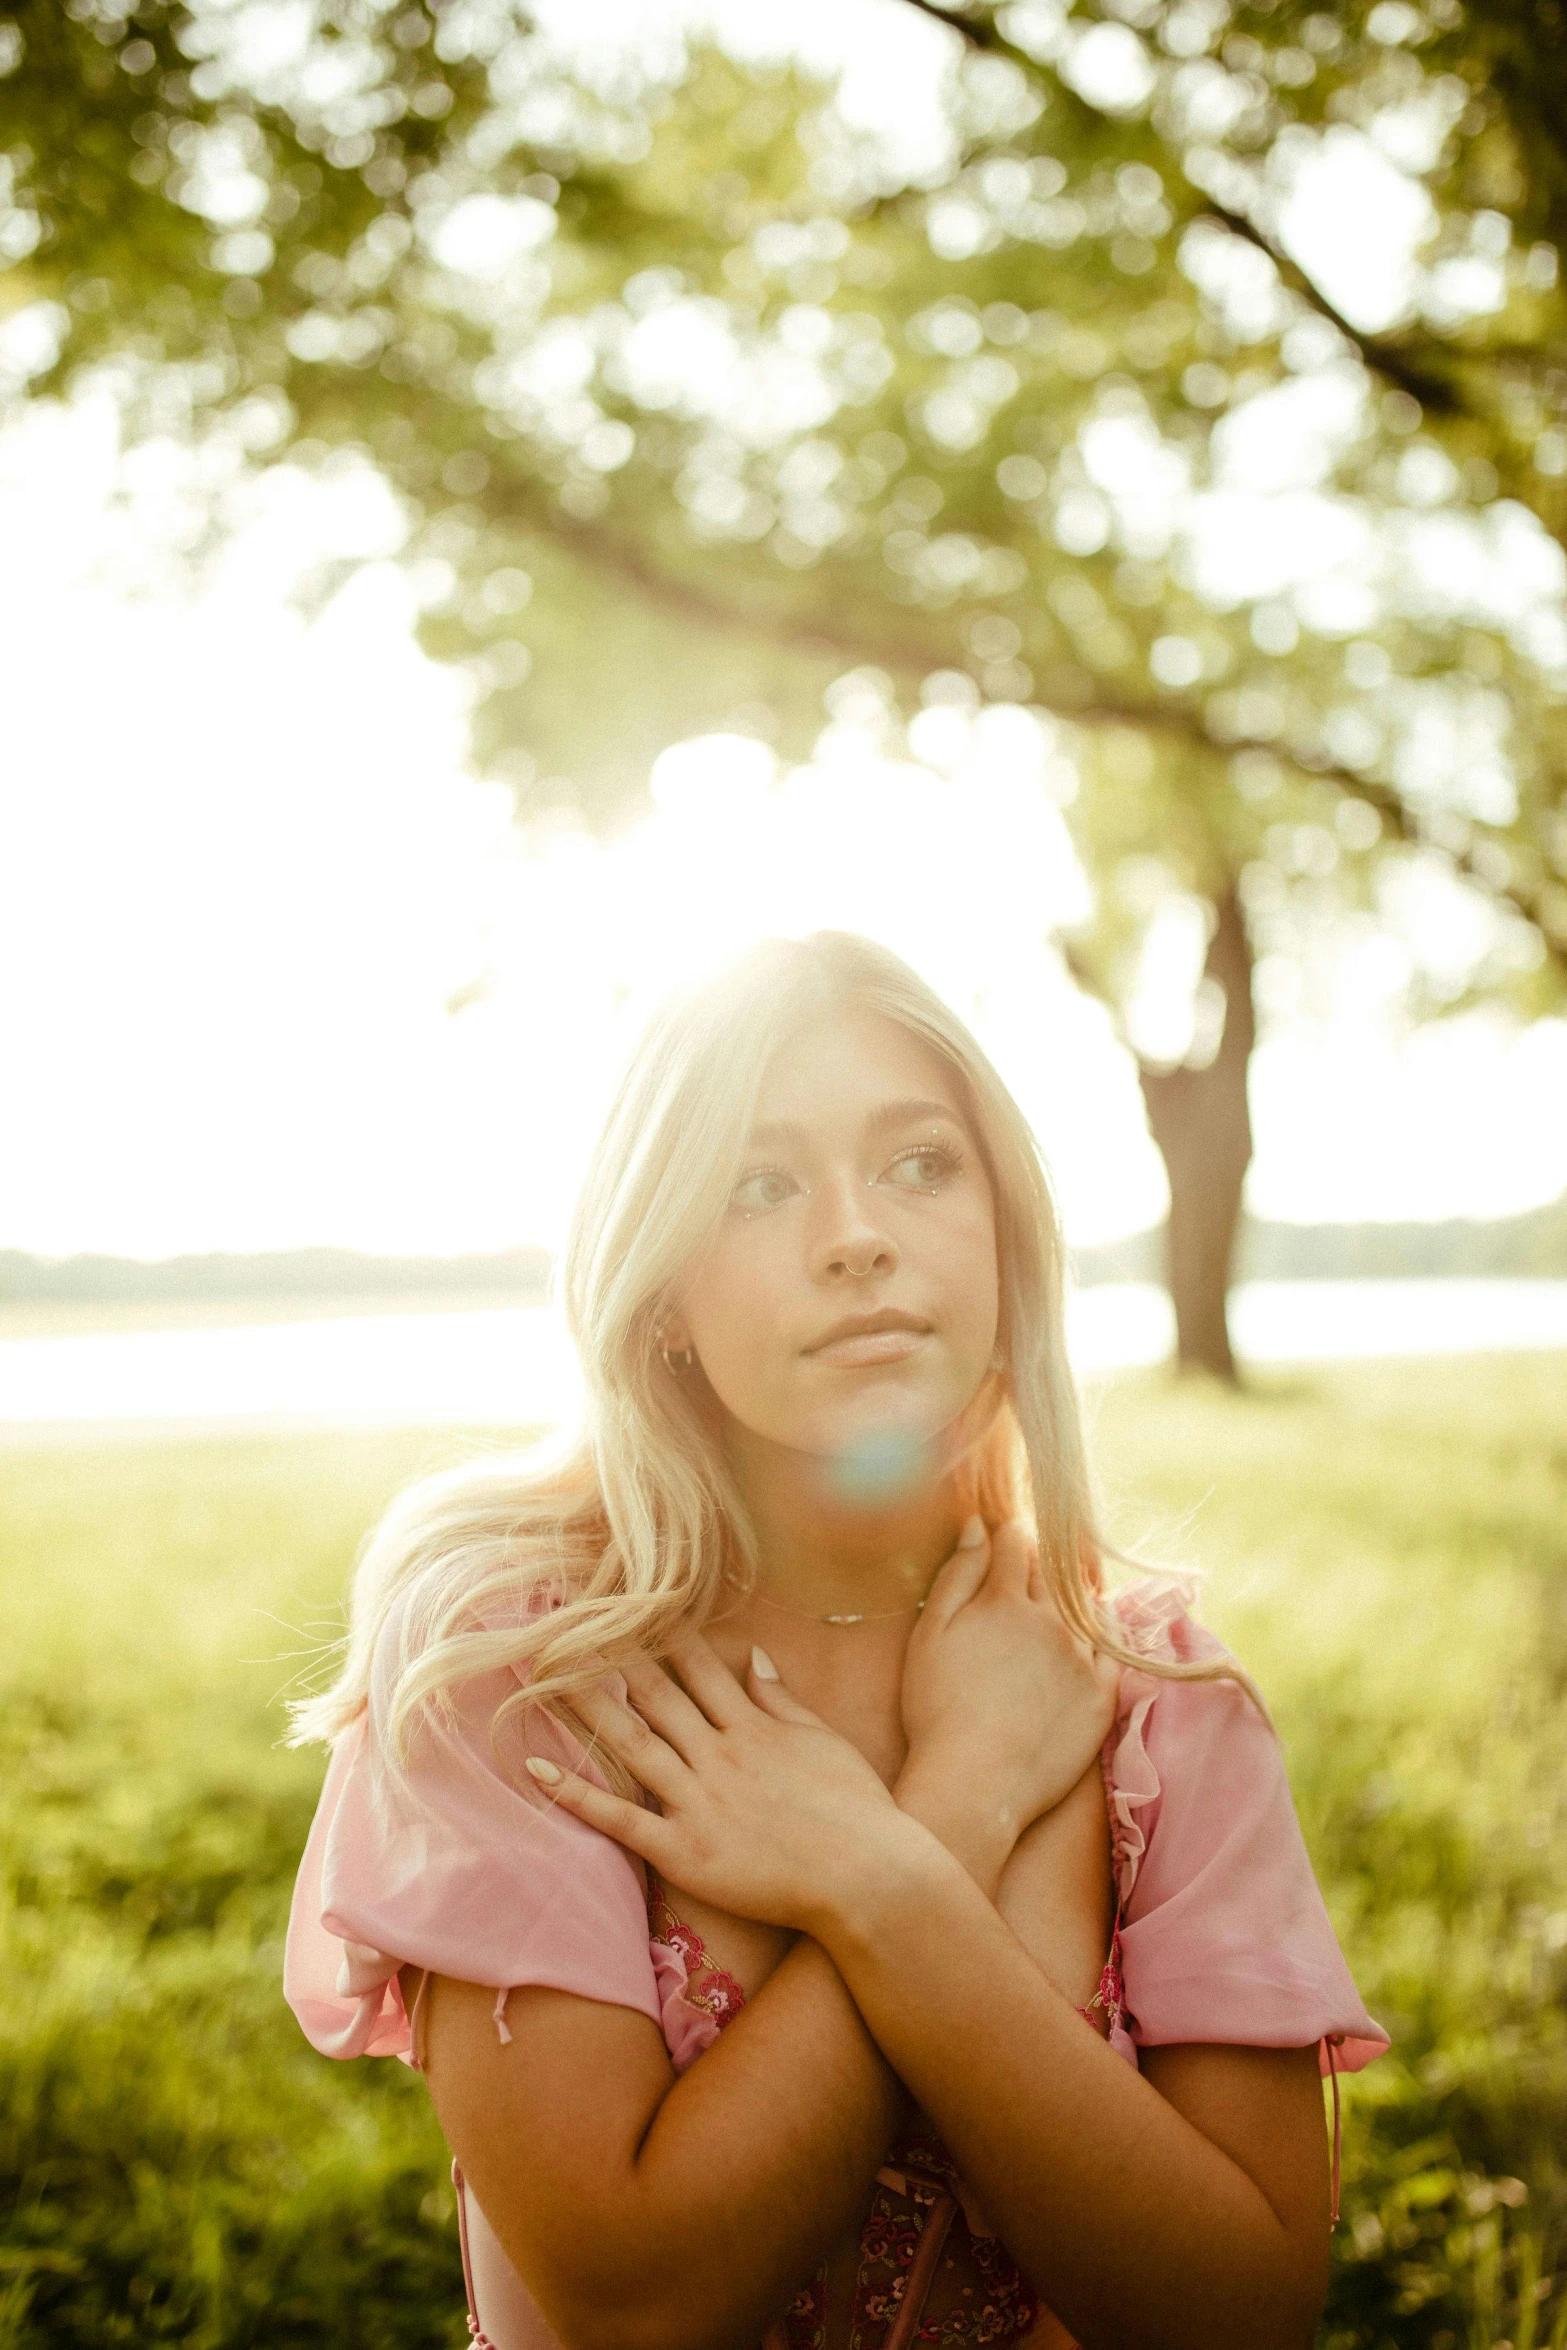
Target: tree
[(685, 382)]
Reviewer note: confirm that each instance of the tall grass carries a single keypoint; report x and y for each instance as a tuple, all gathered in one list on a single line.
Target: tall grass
[(1386, 1547)]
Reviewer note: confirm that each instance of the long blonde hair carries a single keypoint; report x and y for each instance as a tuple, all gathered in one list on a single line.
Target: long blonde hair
[(630, 1524)]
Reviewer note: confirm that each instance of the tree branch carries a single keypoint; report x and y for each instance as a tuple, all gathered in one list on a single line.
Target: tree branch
[(980, 31), (1383, 354), (842, 639)]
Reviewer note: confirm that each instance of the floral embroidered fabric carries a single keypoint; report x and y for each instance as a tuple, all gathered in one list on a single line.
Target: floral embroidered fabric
[(707, 1988), (973, 2292), (923, 2231)]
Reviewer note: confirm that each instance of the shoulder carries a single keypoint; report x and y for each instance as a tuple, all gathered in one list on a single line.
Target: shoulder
[(1191, 1765), (461, 1651), (1225, 1936), (1156, 1616)]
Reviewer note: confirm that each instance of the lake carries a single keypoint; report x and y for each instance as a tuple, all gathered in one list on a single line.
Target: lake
[(506, 1366)]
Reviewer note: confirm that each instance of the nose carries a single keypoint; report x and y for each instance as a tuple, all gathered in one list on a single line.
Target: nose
[(850, 1241)]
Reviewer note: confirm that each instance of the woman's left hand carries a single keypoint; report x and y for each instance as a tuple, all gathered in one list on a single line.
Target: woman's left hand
[(1000, 1699), (765, 1811)]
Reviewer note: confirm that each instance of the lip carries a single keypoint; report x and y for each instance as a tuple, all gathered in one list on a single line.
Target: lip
[(860, 1341)]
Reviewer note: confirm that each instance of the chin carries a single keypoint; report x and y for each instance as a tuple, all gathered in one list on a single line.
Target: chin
[(878, 1411)]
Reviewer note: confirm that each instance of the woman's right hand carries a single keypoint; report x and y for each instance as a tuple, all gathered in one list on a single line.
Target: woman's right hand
[(1003, 1706), (763, 1809)]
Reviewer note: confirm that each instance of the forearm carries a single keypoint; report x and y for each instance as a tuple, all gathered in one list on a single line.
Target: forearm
[(767, 2149), (761, 2155), (646, 2212), (801, 2055), (1074, 2157), (979, 1835), (788, 2117)]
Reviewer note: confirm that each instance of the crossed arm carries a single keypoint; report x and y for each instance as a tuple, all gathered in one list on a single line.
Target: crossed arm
[(1184, 2208), (649, 2213)]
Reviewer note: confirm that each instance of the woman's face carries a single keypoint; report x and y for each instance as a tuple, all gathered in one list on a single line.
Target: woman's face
[(851, 1290)]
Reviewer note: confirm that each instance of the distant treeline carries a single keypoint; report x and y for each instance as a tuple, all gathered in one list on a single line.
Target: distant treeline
[(1508, 1247), (1515, 1246), (519, 1275)]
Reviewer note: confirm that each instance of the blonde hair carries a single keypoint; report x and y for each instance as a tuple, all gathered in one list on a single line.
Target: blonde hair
[(630, 1524)]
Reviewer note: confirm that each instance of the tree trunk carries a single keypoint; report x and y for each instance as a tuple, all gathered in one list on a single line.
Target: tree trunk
[(1200, 1119)]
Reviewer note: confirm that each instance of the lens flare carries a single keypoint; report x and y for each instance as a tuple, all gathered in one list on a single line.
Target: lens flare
[(881, 1466)]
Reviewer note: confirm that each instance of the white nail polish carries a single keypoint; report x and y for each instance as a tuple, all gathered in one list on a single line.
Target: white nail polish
[(545, 1772), (762, 1665), (973, 1534)]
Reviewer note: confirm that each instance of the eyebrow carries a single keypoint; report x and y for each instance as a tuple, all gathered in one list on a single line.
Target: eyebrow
[(885, 1115)]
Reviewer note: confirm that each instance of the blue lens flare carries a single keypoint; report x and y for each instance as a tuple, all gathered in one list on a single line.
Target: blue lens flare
[(883, 1465)]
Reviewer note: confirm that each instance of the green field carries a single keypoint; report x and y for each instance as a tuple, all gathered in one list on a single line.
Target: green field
[(1386, 1546)]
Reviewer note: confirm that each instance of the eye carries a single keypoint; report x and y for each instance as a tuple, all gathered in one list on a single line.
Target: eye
[(763, 1188), (926, 1168)]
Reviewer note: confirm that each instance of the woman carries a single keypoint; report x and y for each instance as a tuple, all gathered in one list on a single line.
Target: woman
[(785, 1720)]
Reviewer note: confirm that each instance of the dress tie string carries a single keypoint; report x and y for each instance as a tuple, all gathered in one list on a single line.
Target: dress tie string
[(1335, 2041)]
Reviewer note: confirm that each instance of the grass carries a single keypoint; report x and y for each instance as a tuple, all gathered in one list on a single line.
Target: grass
[(1385, 1545)]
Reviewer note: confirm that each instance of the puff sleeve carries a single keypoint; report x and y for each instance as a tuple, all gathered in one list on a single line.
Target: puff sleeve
[(1224, 1935), (453, 1866)]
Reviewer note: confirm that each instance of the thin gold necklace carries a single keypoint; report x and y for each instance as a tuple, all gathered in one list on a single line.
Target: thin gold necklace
[(809, 1616)]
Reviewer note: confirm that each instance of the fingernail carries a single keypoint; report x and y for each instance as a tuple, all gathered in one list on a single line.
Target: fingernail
[(543, 1771), (973, 1534), (762, 1665)]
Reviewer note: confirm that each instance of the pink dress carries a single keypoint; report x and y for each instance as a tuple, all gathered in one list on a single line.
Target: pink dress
[(461, 1868)]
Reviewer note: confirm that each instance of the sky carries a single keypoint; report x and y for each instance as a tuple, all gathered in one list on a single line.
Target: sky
[(246, 870)]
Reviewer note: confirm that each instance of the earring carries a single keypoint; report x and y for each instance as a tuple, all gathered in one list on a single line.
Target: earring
[(678, 1359)]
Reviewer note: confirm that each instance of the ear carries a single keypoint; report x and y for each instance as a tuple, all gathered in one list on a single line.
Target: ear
[(675, 1332)]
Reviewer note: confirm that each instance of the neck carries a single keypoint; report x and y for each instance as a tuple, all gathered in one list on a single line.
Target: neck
[(821, 1556)]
